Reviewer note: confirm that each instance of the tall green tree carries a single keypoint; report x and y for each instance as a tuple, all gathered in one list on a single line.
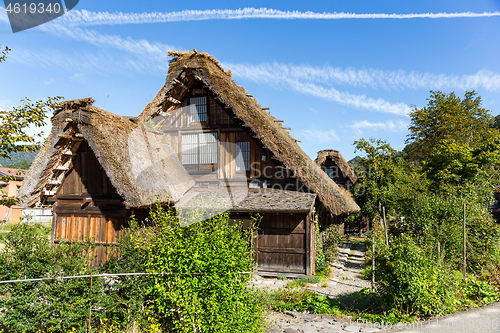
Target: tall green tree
[(448, 117)]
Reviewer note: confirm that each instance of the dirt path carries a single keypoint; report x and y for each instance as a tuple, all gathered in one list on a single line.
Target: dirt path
[(345, 279)]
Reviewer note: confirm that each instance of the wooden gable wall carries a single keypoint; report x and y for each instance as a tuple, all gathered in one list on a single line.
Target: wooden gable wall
[(88, 207), (229, 130)]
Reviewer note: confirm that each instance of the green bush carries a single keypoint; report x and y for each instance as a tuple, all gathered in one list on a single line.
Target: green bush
[(411, 281), (203, 289), (216, 300), (61, 305)]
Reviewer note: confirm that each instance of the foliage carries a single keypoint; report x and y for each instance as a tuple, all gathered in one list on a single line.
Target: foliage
[(204, 285), (447, 117), (203, 289), (454, 163), (296, 299), (302, 282), (332, 236), (23, 165), (13, 125), (388, 180), (62, 305), (3, 53), (321, 265), (411, 282), (17, 157)]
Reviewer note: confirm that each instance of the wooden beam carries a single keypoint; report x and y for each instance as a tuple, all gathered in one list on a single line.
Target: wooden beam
[(265, 108), (287, 128), (69, 120), (78, 135), (61, 168), (173, 100), (248, 95), (64, 136), (48, 193)]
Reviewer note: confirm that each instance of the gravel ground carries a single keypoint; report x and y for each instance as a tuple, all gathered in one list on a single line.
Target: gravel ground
[(344, 279)]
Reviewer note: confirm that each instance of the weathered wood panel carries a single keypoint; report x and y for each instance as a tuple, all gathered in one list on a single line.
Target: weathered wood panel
[(282, 245)]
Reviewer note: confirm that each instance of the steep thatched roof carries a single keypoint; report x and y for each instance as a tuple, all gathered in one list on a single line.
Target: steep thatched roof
[(336, 157), (138, 165), (189, 67)]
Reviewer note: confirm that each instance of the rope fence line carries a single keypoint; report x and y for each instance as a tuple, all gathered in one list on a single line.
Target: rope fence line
[(109, 275)]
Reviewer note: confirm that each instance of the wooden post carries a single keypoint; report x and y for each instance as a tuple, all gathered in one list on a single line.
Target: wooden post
[(385, 227), (465, 251), (439, 253), (373, 263)]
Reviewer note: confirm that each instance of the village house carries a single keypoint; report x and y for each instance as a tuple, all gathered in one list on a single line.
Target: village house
[(203, 142), (10, 182)]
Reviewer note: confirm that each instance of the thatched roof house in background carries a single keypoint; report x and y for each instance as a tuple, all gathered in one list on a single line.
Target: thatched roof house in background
[(200, 133), (334, 164)]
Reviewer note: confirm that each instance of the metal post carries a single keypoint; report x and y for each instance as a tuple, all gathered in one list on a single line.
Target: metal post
[(373, 263), (385, 227), (465, 251), (90, 307), (439, 253)]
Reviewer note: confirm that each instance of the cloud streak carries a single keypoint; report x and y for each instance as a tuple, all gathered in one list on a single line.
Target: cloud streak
[(386, 126), (319, 136), (373, 78), (311, 82), (87, 18)]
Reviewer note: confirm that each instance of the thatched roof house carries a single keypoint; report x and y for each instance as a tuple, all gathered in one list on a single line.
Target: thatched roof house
[(188, 67), (200, 133), (334, 164), (119, 151)]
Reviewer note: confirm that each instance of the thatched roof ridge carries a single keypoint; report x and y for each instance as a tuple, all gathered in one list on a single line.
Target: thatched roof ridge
[(122, 149), (337, 157), (187, 67)]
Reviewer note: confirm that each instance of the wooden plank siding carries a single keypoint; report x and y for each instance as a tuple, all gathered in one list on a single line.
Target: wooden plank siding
[(88, 208), (282, 244)]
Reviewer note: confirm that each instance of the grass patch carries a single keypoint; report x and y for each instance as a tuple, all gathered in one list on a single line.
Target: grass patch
[(359, 305), (5, 227), (302, 282)]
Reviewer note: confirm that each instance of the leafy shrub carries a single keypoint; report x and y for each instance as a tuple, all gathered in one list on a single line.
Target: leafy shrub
[(332, 236), (202, 289), (61, 305), (411, 282)]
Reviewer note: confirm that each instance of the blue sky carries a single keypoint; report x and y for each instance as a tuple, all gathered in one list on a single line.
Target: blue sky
[(334, 71)]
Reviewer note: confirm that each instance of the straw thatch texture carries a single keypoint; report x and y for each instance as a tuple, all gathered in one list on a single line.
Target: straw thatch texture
[(138, 165), (336, 157), (188, 67)]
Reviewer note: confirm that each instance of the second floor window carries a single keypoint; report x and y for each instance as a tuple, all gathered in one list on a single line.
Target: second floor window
[(198, 113), (199, 148), (244, 163)]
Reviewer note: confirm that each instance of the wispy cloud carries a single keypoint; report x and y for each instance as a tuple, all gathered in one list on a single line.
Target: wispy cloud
[(385, 126), (319, 136), (308, 80), (86, 18), (373, 78), (3, 15)]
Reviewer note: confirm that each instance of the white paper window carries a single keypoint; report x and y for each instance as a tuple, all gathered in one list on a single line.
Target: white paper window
[(243, 164), (199, 112), (200, 148)]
